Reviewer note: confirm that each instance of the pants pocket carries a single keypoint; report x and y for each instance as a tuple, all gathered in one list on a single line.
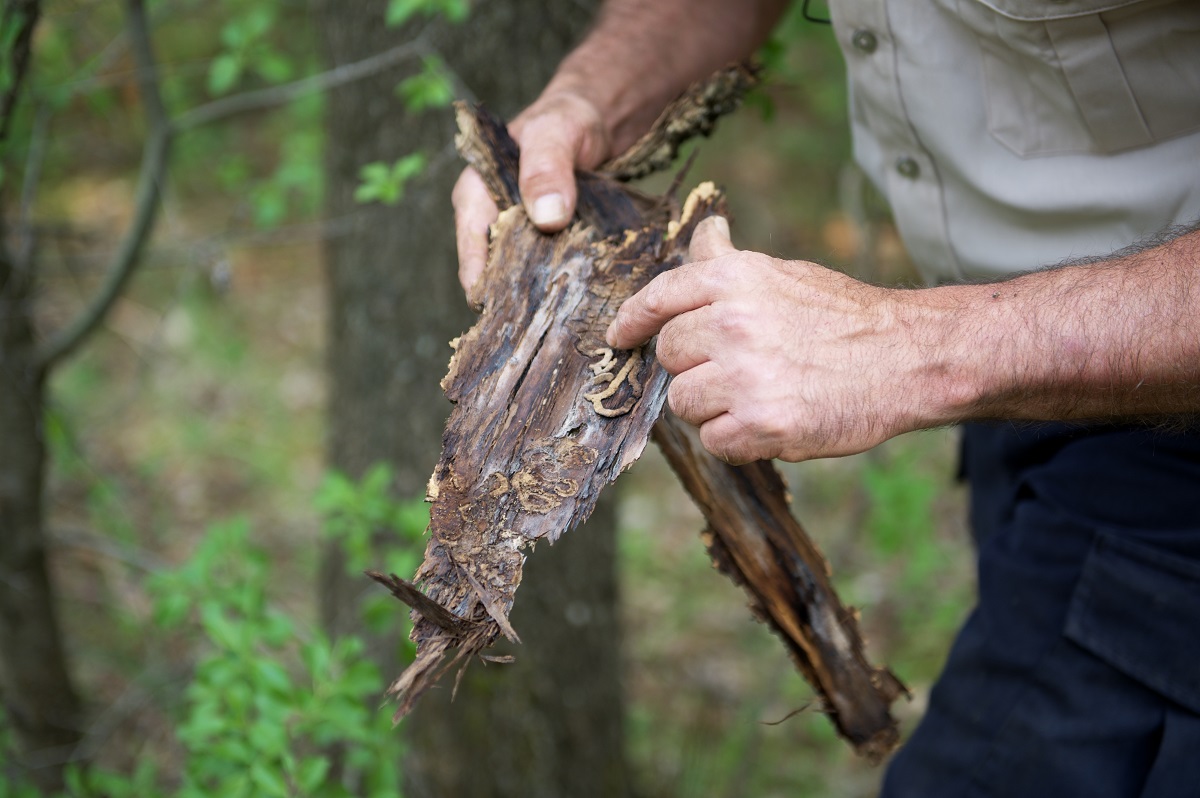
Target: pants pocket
[(1138, 608)]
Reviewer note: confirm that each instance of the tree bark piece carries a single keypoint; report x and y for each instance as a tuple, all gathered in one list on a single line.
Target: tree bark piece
[(754, 540), (694, 113), (546, 415)]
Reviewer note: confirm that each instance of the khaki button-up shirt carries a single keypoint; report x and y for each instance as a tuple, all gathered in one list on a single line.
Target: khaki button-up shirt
[(1010, 135)]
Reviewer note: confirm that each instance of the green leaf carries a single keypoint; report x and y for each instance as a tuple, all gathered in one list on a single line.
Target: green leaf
[(224, 73), (383, 183), (311, 773), (412, 518), (272, 675), (455, 10), (75, 780), (273, 67), (400, 11), (316, 656), (380, 612), (409, 167), (224, 632), (431, 88), (171, 609)]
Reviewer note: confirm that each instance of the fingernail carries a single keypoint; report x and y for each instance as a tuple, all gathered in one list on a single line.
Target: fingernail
[(550, 209), (610, 332), (722, 225)]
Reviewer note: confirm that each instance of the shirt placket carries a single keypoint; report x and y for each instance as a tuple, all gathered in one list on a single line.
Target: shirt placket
[(910, 176)]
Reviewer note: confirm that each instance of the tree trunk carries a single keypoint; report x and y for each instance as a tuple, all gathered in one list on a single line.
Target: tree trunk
[(39, 700), (550, 725)]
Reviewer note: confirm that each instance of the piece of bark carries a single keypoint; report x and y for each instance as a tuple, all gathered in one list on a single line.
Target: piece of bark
[(546, 415), (754, 540), (694, 113)]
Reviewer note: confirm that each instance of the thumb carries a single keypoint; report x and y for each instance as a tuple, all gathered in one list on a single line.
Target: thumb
[(711, 240), (547, 174)]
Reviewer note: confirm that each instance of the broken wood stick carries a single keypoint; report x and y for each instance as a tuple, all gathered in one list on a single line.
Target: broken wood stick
[(753, 539), (546, 415)]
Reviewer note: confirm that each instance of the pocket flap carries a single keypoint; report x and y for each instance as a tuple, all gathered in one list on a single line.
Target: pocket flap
[(1138, 608), (1037, 10)]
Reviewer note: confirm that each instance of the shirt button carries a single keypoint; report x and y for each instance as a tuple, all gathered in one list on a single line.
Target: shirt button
[(864, 40), (907, 167)]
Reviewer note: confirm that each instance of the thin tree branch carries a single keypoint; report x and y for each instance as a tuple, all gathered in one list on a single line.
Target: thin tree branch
[(155, 156), (20, 17), (278, 95), (26, 232)]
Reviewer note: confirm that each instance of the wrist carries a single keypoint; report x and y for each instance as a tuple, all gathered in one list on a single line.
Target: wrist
[(951, 361), (624, 106)]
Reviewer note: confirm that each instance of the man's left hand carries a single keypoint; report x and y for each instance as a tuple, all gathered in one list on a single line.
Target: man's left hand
[(774, 358)]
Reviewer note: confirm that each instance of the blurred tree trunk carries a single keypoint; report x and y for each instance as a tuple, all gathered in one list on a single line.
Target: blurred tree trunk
[(550, 725), (39, 700)]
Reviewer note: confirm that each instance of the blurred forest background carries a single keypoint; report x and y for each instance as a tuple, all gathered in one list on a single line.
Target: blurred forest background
[(226, 441)]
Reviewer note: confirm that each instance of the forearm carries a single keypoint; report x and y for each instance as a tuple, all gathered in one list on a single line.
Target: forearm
[(1116, 339), (640, 55)]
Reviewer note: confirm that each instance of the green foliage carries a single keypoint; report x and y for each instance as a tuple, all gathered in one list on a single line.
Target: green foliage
[(385, 183), (933, 598), (358, 515), (431, 88), (257, 722), (11, 787), (401, 11), (248, 49), (295, 186), (269, 696)]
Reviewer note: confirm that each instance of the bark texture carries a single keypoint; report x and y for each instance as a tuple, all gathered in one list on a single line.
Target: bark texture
[(546, 415), (551, 724), (754, 540)]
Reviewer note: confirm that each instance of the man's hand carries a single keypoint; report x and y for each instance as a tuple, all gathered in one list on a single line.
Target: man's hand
[(775, 358), (606, 93), (560, 132)]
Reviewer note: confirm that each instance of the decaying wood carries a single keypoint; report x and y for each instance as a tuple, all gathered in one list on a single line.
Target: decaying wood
[(695, 113), (546, 415), (754, 540)]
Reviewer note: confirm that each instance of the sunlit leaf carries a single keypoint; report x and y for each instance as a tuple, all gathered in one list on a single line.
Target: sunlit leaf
[(224, 73)]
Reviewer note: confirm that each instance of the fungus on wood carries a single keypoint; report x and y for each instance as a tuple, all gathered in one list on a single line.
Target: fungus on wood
[(546, 415)]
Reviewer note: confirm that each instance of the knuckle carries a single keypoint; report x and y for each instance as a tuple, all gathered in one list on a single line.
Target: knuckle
[(669, 347), (462, 188), (730, 321), (653, 299), (681, 399), (725, 444), (469, 189), (666, 351)]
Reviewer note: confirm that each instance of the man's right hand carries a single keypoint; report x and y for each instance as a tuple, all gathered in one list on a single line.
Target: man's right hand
[(560, 132)]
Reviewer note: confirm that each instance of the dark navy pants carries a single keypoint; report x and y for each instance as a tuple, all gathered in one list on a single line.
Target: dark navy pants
[(1078, 672)]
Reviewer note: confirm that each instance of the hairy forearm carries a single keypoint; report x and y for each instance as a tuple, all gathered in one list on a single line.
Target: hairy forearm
[(1114, 339), (640, 55)]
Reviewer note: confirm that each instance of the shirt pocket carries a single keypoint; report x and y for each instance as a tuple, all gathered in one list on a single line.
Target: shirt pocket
[(1087, 76), (1137, 607)]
